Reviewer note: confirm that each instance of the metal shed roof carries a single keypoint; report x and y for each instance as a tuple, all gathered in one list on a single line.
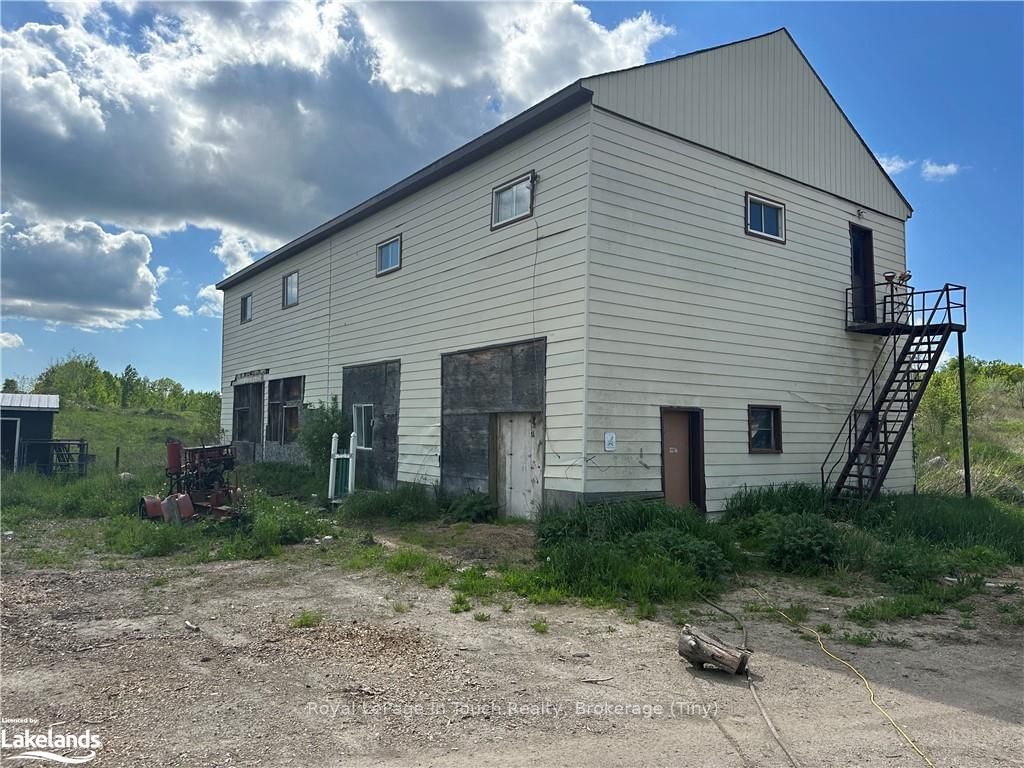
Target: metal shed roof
[(29, 402)]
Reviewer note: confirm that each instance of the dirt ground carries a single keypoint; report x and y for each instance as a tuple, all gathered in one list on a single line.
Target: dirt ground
[(415, 685)]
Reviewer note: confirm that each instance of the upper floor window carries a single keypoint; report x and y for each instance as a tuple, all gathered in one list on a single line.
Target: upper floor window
[(362, 420), (765, 425), (512, 201), (389, 255), (290, 290), (247, 308), (284, 401), (766, 218)]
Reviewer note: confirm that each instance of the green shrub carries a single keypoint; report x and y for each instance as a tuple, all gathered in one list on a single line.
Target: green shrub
[(977, 559), (296, 481), (802, 543), (319, 423), (785, 499), (704, 556), (407, 503), (907, 562), (857, 548), (473, 507)]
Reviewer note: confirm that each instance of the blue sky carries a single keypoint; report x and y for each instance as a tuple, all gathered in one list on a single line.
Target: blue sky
[(155, 195)]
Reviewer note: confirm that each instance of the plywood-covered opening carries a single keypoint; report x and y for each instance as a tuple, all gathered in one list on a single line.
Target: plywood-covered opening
[(369, 400), (492, 423)]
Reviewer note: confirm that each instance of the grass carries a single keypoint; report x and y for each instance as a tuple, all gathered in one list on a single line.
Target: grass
[(797, 612), (862, 638), (540, 627), (636, 555), (141, 434), (929, 599), (481, 616), (306, 620), (460, 604)]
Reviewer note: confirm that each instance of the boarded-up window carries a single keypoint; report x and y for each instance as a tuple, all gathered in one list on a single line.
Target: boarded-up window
[(248, 412), (284, 401)]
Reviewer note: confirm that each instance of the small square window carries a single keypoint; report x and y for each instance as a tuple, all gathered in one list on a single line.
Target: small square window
[(247, 308), (389, 255), (513, 201), (766, 218), (290, 290), (362, 419), (764, 428)]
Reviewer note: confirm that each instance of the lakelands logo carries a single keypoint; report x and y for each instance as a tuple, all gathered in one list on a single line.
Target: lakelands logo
[(40, 746)]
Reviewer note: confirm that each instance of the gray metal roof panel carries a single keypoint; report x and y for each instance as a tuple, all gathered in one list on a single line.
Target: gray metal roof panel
[(23, 402)]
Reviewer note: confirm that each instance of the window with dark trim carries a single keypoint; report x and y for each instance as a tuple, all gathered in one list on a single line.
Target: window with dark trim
[(284, 401), (247, 412), (362, 420), (765, 218), (389, 255), (247, 308), (764, 428), (512, 201), (290, 290)]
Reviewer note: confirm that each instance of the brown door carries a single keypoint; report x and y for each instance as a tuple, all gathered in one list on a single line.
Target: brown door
[(676, 457)]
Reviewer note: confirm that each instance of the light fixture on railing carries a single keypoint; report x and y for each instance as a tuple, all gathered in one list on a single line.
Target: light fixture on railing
[(889, 276)]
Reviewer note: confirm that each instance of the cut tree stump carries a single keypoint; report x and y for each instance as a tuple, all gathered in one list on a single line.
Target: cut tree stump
[(700, 648)]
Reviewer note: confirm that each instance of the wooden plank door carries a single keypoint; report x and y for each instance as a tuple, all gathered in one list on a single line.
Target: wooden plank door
[(519, 463), (676, 457)]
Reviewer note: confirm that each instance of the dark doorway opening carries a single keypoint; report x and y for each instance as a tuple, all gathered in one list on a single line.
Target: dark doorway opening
[(862, 264)]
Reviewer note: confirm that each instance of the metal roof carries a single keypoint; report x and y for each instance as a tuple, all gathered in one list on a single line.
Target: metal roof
[(545, 111), (29, 402)]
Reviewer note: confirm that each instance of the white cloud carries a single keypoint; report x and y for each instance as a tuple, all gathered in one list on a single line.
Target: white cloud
[(263, 120), (211, 301), (893, 164), (526, 50), (257, 120), (183, 310), (939, 172), (237, 249), (93, 278), (10, 340)]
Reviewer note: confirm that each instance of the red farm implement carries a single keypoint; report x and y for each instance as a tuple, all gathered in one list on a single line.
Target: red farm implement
[(197, 485)]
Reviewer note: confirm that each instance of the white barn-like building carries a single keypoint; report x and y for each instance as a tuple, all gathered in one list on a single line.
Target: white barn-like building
[(662, 281)]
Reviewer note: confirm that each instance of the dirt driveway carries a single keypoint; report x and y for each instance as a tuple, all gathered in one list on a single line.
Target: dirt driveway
[(391, 677)]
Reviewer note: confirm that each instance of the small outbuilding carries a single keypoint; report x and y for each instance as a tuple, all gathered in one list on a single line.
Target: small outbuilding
[(26, 429)]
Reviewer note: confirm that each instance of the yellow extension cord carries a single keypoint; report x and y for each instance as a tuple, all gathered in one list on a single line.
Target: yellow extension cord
[(864, 680)]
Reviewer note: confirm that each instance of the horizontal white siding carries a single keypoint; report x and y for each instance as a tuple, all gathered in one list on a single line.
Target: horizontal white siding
[(760, 101), (685, 309), (460, 286)]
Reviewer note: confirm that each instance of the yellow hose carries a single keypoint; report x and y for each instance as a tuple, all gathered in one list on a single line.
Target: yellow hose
[(848, 665)]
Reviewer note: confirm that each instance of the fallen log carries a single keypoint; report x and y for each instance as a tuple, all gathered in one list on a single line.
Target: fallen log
[(700, 648)]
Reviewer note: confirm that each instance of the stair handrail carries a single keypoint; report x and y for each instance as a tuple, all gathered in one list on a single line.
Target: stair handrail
[(849, 424)]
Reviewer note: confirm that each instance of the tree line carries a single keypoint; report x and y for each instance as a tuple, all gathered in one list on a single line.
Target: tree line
[(80, 381)]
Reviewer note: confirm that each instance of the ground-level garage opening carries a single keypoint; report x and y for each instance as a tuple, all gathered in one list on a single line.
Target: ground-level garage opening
[(492, 423)]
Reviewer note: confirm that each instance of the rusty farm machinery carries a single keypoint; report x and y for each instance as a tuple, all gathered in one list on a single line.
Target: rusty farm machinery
[(198, 485)]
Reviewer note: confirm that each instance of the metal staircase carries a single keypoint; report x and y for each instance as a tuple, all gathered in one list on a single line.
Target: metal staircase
[(916, 325)]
